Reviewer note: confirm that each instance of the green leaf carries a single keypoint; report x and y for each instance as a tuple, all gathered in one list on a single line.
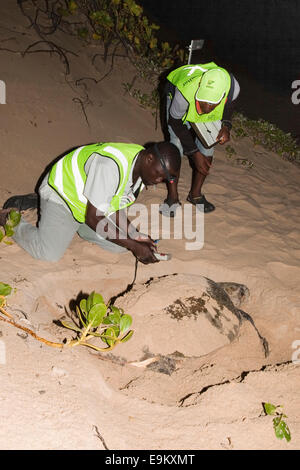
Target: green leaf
[(115, 311), (109, 336), (5, 289), (282, 430), (114, 317), (8, 230), (155, 26), (82, 318), (125, 323), (269, 408), (96, 314), (102, 18), (134, 8), (89, 301), (153, 43), (127, 337), (83, 307), (116, 330), (72, 6), (14, 218), (1, 235), (276, 421), (94, 299)]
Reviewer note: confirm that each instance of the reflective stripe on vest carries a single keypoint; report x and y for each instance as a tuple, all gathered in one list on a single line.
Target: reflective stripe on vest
[(79, 183)]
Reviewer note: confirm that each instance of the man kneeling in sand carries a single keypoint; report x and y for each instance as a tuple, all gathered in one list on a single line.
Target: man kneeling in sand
[(90, 186)]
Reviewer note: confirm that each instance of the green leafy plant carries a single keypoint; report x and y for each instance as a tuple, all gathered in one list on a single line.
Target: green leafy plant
[(7, 231), (98, 320), (267, 135), (146, 100), (281, 429), (123, 22), (239, 132), (71, 8)]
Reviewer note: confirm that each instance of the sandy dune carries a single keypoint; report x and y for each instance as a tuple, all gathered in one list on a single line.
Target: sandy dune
[(52, 399)]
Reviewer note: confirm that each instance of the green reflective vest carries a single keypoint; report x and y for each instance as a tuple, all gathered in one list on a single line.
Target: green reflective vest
[(68, 175), (187, 79)]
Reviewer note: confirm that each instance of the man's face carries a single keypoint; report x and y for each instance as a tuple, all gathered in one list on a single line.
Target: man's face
[(153, 172), (203, 107)]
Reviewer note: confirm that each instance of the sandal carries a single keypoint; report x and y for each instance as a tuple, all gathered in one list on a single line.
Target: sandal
[(201, 202), (22, 203)]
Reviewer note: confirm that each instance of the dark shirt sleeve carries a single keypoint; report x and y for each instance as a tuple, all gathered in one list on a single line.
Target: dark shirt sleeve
[(230, 103)]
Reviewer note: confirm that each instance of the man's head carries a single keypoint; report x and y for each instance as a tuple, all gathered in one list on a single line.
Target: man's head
[(160, 163), (211, 91)]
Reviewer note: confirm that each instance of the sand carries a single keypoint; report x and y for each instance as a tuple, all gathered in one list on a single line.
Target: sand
[(58, 399)]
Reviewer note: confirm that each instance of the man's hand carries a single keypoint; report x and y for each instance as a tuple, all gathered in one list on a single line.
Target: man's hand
[(143, 251), (141, 237), (143, 247), (201, 163), (224, 135)]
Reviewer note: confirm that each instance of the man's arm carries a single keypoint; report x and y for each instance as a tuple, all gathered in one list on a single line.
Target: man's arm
[(230, 103), (224, 134), (118, 230)]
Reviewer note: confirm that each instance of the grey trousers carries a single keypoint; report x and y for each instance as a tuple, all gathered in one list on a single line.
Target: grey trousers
[(55, 230)]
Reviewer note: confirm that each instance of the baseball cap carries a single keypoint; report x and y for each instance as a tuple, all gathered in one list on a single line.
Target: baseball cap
[(212, 87)]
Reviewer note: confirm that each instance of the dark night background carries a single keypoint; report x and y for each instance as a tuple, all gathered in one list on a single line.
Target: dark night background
[(259, 41)]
